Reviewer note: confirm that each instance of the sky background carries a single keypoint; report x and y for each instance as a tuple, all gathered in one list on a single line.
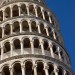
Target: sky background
[(65, 12)]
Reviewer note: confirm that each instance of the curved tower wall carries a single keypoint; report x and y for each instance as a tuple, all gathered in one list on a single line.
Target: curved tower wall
[(30, 40)]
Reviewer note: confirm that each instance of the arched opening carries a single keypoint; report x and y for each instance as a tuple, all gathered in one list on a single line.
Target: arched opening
[(67, 73), (7, 29), (23, 9), (46, 47), (46, 16), (62, 57), (34, 27), (25, 26), (28, 68), (16, 27), (26, 43), (49, 30), (31, 10), (0, 32), (6, 47), (7, 12), (40, 70), (51, 69), (67, 59), (36, 43), (52, 22), (51, 35), (5, 71), (43, 30), (39, 12), (1, 16), (55, 50), (17, 69), (17, 44), (60, 72), (56, 36), (15, 11)]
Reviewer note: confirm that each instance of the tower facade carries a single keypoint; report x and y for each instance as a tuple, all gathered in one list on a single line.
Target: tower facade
[(30, 40)]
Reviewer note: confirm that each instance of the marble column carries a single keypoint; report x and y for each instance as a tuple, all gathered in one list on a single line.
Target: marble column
[(51, 50), (42, 47), (2, 51), (56, 70), (32, 46), (35, 68), (23, 69), (11, 51), (46, 67)]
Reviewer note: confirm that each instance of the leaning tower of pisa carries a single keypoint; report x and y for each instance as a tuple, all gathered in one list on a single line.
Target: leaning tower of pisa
[(30, 40)]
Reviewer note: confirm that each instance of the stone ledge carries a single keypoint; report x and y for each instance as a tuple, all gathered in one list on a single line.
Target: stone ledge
[(35, 56)]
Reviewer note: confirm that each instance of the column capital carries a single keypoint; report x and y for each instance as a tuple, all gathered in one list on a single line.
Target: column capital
[(53, 29), (46, 26), (35, 6), (3, 27), (50, 43), (10, 68), (21, 41), (34, 66), (32, 41), (27, 6), (56, 70), (3, 10), (19, 5), (42, 10), (2, 47), (22, 65), (46, 67), (42, 41), (11, 43), (11, 23), (20, 22)]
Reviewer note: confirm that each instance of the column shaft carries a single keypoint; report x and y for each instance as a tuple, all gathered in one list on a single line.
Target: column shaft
[(2, 32), (39, 29), (32, 46), (30, 29), (3, 15), (11, 71), (11, 27), (43, 14), (46, 69), (56, 69), (28, 10), (20, 27), (42, 47), (2, 52), (54, 34), (36, 11), (60, 58), (47, 31), (11, 52), (35, 68), (21, 47), (11, 13), (51, 50), (19, 11), (23, 68)]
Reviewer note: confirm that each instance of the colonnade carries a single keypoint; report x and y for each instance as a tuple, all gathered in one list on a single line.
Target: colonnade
[(41, 45), (21, 9), (34, 68), (28, 26)]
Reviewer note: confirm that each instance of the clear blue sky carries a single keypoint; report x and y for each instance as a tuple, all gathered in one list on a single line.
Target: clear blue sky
[(65, 11)]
